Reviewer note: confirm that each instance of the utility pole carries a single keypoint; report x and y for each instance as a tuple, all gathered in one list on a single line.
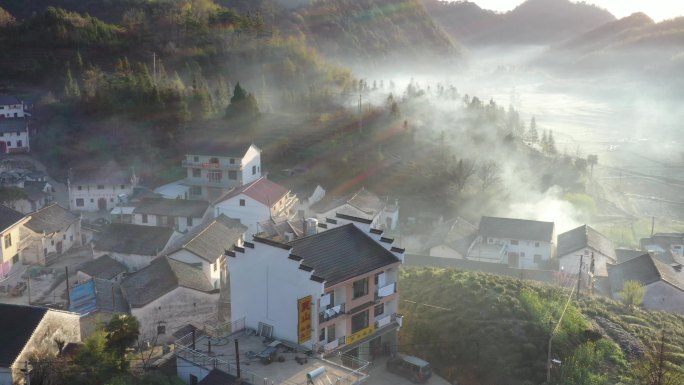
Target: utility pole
[(652, 226), (27, 373), (28, 286), (579, 275), (237, 359), (154, 68), (67, 285), (360, 113)]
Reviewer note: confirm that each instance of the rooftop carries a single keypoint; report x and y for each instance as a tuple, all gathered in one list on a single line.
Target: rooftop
[(363, 200), (160, 277), (35, 190), (51, 219), (17, 324), (521, 229), (277, 229), (103, 267), (624, 255), (585, 236), (6, 100), (108, 174), (213, 147), (97, 295), (172, 207), (210, 240), (8, 217), (644, 269), (13, 125), (261, 190), (341, 253), (133, 239)]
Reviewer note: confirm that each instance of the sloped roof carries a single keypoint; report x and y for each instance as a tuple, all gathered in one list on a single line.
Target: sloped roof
[(210, 240), (512, 228), (6, 100), (212, 147), (585, 236), (51, 219), (644, 269), (341, 253), (104, 267), (97, 295), (172, 207), (261, 190), (17, 324), (13, 125), (133, 239), (108, 174), (160, 277), (219, 377), (363, 200), (9, 217), (276, 229), (624, 255), (35, 190)]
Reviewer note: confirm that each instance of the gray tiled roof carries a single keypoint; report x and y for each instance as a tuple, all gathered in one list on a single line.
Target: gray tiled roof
[(133, 239), (521, 229), (212, 147), (8, 217), (585, 236), (160, 277), (108, 175), (13, 125), (51, 219), (6, 100), (624, 255), (172, 207), (644, 269), (341, 253), (210, 240), (104, 267), (364, 200), (35, 190), (17, 324), (97, 295), (218, 377)]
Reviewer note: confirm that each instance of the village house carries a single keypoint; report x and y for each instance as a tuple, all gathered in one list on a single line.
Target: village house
[(332, 291), (281, 229), (38, 195), (213, 168), (104, 267), (664, 283), (134, 246), (382, 211), (256, 202), (179, 214), (167, 295), (12, 107), (28, 330), (666, 247), (308, 196), (99, 189), (451, 239), (96, 301), (520, 243), (53, 230), (14, 136), (204, 246), (595, 249), (12, 238)]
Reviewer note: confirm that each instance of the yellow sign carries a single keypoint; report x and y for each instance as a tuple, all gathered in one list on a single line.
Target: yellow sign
[(360, 334), (304, 311)]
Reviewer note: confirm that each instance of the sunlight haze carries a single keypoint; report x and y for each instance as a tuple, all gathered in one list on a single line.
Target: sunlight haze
[(657, 9)]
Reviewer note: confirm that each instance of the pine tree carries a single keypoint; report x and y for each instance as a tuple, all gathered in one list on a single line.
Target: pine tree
[(242, 104), (551, 144), (532, 134)]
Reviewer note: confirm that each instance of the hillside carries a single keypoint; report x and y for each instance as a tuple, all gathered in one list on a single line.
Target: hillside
[(486, 329), (531, 23)]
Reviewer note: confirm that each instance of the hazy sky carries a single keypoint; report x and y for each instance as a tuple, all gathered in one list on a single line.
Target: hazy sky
[(657, 9)]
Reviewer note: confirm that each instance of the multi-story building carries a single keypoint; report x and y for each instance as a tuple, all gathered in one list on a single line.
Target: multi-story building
[(53, 230), (99, 189), (213, 169), (11, 107), (332, 291), (12, 236), (14, 136), (179, 214), (587, 246)]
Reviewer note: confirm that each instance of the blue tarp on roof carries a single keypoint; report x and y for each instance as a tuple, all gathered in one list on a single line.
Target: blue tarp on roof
[(82, 298)]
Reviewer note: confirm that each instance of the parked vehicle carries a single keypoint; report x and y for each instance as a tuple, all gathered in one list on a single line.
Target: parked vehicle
[(410, 367)]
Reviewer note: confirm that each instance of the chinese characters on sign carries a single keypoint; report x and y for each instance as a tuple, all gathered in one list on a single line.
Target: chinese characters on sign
[(304, 325)]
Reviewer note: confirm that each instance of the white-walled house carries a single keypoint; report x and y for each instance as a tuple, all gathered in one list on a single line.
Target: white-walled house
[(664, 283), (14, 136), (99, 189), (38, 195), (333, 291), (12, 107), (179, 214), (28, 330), (213, 168), (590, 244), (167, 295), (383, 211), (103, 267), (13, 237), (205, 245), (520, 243), (53, 230), (307, 198), (256, 202), (134, 246)]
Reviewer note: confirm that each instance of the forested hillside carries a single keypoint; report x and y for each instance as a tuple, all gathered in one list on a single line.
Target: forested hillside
[(486, 329)]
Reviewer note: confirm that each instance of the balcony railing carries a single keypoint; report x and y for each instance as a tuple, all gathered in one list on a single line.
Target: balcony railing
[(388, 319), (211, 166), (333, 312), (386, 290)]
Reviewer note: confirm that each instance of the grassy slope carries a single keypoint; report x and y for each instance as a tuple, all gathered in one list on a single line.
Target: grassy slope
[(489, 329)]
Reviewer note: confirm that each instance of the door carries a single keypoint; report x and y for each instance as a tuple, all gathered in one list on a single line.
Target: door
[(102, 204), (513, 259), (3, 147), (60, 247)]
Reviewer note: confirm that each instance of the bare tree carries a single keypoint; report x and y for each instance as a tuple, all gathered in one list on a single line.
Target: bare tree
[(656, 368), (488, 172)]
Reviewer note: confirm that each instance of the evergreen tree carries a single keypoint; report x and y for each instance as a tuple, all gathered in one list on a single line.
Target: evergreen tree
[(242, 104), (532, 134), (551, 144), (71, 88)]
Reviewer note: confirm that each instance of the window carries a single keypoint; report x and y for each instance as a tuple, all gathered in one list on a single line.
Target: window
[(213, 160), (92, 200), (242, 202), (215, 265), (232, 175), (321, 335), (196, 190), (80, 188), (360, 288), (188, 221), (537, 258), (253, 170), (379, 309), (64, 237), (161, 329), (196, 173), (52, 242), (9, 143), (193, 379), (232, 160), (514, 242), (331, 333), (8, 240), (123, 187), (79, 202), (144, 218), (195, 158), (522, 254), (111, 200), (360, 321), (71, 238), (15, 259), (18, 142), (100, 187), (214, 176)]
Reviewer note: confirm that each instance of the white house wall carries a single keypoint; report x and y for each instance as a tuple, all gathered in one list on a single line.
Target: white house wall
[(663, 296), (133, 262), (545, 250), (40, 245), (91, 196), (176, 309), (249, 215), (570, 262), (265, 286), (443, 251), (251, 159), (214, 276), (12, 110)]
